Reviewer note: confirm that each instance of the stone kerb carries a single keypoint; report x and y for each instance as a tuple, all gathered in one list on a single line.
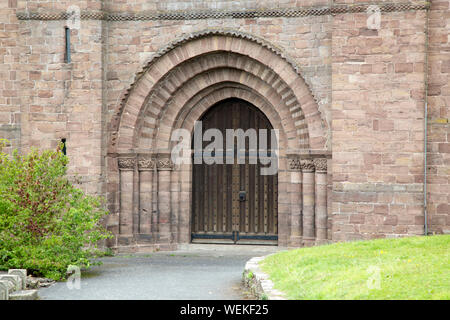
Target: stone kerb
[(13, 286), (258, 282)]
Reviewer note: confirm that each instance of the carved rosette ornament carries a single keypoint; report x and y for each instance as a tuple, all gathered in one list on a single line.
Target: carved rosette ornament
[(127, 163), (321, 165), (146, 164), (294, 164), (164, 164), (307, 165)]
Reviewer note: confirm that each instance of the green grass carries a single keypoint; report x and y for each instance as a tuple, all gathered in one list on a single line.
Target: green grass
[(405, 268)]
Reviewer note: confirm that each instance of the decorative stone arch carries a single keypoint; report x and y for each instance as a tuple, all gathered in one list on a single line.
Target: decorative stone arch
[(174, 88), (201, 44), (199, 84)]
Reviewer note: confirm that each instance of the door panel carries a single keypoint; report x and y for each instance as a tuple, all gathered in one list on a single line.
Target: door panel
[(220, 215)]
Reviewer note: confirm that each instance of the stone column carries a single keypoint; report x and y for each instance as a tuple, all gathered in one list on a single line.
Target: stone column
[(308, 201), (164, 166), (184, 218), (126, 168), (321, 199), (175, 199), (146, 168), (295, 189)]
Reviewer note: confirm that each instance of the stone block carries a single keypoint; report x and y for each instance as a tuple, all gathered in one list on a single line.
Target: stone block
[(15, 280), (4, 289), (24, 295), (22, 273)]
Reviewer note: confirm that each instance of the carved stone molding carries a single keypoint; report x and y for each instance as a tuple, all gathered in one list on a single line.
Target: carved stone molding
[(307, 165), (127, 163), (146, 164), (222, 14), (321, 165), (164, 164), (294, 164)]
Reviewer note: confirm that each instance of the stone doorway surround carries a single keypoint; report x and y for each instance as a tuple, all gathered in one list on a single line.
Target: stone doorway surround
[(150, 197)]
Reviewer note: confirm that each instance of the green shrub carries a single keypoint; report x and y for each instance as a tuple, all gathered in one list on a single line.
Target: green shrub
[(46, 223)]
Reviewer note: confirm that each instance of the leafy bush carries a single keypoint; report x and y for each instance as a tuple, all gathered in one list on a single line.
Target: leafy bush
[(46, 224)]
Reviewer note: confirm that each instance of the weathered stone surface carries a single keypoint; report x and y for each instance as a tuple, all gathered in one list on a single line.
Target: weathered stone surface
[(38, 282), (258, 282), (15, 280), (24, 295), (22, 273), (324, 77), (4, 289)]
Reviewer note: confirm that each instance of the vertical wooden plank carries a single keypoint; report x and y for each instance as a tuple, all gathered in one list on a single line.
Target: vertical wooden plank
[(270, 204), (256, 227), (265, 204), (205, 197), (230, 203), (195, 193), (247, 212), (275, 202), (220, 193)]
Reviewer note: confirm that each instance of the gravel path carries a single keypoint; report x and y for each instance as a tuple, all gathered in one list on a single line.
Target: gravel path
[(198, 272)]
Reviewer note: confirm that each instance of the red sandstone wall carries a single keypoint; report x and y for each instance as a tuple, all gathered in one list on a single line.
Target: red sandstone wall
[(377, 112), (377, 91), (439, 117), (9, 75), (63, 100)]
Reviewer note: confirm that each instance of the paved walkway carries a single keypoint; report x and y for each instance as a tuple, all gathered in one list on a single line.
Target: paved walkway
[(197, 272)]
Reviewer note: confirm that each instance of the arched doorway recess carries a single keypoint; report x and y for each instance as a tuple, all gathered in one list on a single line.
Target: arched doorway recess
[(151, 197)]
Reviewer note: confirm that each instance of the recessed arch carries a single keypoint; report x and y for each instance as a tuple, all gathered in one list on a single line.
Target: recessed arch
[(194, 108), (149, 192), (125, 117), (216, 77), (188, 78)]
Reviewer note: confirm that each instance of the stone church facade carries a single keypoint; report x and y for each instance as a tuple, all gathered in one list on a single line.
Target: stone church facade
[(357, 90)]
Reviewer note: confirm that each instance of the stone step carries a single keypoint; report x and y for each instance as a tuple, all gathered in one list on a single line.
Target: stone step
[(24, 295)]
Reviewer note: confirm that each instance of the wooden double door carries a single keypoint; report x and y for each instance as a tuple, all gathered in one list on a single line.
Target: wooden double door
[(234, 203)]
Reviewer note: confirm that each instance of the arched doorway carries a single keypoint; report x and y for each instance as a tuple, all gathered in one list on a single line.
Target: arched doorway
[(234, 201), (151, 197)]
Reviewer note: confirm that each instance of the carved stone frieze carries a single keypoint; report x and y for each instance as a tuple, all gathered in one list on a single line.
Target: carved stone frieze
[(127, 163)]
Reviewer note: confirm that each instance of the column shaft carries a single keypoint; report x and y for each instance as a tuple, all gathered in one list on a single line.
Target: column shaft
[(164, 206), (321, 205), (145, 199), (126, 202), (296, 207), (308, 200)]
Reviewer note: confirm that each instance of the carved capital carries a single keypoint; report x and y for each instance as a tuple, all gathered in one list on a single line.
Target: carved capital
[(321, 165), (294, 164), (164, 164), (127, 163), (307, 165), (146, 164)]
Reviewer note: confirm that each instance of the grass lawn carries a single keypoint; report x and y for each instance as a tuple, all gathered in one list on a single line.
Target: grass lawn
[(405, 268)]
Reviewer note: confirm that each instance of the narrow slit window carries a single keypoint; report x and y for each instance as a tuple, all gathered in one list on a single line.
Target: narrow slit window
[(67, 54), (63, 141)]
